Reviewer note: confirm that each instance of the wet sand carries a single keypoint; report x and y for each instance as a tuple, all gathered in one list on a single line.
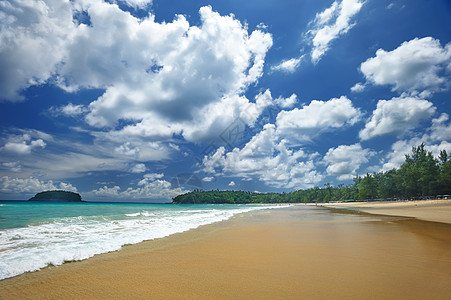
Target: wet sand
[(299, 252)]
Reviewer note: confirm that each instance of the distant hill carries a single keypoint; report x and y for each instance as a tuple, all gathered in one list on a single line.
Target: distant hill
[(64, 196)]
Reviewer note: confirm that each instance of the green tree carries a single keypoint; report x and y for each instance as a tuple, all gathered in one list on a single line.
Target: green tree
[(419, 173), (367, 187), (444, 182), (387, 184)]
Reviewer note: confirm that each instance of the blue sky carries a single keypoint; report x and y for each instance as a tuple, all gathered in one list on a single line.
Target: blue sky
[(141, 100)]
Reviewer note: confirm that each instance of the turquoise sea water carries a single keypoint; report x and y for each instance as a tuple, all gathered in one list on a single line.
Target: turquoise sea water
[(34, 235)]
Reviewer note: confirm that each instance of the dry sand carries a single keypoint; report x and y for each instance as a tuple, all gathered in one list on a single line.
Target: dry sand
[(428, 210), (299, 252)]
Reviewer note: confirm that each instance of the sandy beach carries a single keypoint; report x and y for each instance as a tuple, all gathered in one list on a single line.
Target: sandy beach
[(300, 252), (428, 210)]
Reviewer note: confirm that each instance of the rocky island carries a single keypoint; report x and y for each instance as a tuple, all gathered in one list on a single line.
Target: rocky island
[(63, 196)]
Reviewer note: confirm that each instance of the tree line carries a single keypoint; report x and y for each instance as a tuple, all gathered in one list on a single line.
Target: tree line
[(420, 176)]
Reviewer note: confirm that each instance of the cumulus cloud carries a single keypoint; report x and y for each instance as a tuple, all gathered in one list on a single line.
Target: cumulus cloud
[(344, 161), (272, 155), (138, 168), (232, 183), (287, 102), (31, 185), (137, 3), (397, 116), (151, 177), (418, 64), (22, 144), (436, 138), (152, 187), (69, 110), (33, 41), (267, 158), (211, 121), (166, 72), (440, 131), (289, 65), (317, 117), (159, 77), (358, 87), (128, 149), (396, 157), (207, 124), (194, 92), (332, 23)]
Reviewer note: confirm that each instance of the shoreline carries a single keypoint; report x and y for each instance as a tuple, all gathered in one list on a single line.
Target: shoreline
[(298, 251)]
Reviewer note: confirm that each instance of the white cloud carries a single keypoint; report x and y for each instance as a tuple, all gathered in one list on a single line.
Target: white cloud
[(31, 185), (208, 179), (33, 41), (207, 123), (194, 93), (214, 162), (272, 156), (418, 64), (232, 183), (397, 116), (162, 78), (128, 149), (330, 24), (13, 166), (344, 161), (166, 72), (396, 157), (317, 117), (436, 148), (151, 177), (287, 102), (22, 144), (138, 168), (212, 120), (436, 138), (358, 87), (106, 191), (289, 65), (69, 110), (137, 3), (67, 187), (64, 158), (267, 158), (151, 187), (440, 131)]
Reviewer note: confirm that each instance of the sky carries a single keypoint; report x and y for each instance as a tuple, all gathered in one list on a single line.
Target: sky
[(142, 100)]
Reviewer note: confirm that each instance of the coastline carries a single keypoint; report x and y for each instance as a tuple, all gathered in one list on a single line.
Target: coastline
[(293, 252)]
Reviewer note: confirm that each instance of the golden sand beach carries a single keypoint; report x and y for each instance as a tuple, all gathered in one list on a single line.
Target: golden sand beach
[(428, 210), (300, 252)]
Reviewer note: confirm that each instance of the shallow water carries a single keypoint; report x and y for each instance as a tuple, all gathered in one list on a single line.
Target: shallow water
[(34, 235)]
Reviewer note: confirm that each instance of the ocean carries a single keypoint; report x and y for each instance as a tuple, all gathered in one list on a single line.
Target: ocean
[(34, 235)]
